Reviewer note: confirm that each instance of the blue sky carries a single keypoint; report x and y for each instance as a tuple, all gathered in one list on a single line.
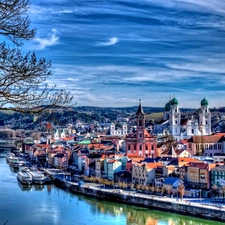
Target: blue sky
[(113, 53)]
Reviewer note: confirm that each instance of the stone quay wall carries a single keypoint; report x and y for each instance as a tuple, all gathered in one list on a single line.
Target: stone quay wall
[(172, 205)]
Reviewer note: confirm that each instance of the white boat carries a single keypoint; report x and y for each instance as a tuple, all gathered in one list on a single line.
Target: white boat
[(24, 169), (16, 162), (9, 156), (24, 178), (37, 177)]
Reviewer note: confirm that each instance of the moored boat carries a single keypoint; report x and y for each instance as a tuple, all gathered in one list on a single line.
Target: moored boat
[(24, 169), (24, 178), (37, 177), (16, 162)]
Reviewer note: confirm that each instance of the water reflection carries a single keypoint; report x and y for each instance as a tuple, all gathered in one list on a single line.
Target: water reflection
[(24, 187), (143, 216)]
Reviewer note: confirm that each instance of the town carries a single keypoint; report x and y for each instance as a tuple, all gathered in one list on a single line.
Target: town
[(177, 154)]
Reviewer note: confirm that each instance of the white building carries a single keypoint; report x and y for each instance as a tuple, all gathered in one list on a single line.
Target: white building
[(118, 132), (184, 128)]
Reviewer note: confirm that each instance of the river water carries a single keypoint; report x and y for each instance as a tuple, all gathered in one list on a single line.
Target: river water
[(52, 206)]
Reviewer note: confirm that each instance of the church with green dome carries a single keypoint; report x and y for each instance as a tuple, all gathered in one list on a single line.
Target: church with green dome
[(182, 126)]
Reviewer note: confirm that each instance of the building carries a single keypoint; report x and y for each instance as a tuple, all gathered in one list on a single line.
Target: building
[(140, 141), (198, 175), (118, 131), (144, 173), (183, 127), (218, 176), (207, 145)]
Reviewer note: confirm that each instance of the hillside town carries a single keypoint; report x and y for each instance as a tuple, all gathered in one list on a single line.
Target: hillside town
[(175, 151)]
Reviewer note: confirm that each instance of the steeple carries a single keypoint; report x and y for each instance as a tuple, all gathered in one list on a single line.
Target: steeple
[(140, 109)]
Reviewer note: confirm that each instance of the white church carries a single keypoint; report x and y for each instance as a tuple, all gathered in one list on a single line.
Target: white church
[(183, 127)]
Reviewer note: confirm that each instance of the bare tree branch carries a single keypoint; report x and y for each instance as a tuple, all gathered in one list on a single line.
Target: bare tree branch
[(23, 78)]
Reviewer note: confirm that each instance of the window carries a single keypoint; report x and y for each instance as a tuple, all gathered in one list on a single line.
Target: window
[(192, 131), (146, 147), (128, 147), (152, 147), (140, 135), (140, 122), (134, 147), (206, 122), (140, 148)]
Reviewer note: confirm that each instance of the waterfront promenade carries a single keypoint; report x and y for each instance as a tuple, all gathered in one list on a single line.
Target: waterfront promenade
[(185, 206)]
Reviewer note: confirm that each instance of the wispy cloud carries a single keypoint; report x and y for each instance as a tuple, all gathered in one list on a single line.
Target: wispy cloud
[(111, 41), (45, 42)]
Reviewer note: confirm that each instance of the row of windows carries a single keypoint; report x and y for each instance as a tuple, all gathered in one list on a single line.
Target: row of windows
[(218, 173), (209, 146), (140, 147)]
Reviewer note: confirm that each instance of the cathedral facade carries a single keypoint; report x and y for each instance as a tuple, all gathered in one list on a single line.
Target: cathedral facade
[(183, 126)]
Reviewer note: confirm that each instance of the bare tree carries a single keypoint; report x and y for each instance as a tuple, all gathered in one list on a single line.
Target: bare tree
[(23, 77), (181, 190)]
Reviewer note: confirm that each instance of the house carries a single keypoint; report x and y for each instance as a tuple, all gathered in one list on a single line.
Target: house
[(131, 162), (144, 173), (113, 166), (171, 184), (99, 166), (198, 174), (175, 153), (219, 158), (60, 161), (218, 176)]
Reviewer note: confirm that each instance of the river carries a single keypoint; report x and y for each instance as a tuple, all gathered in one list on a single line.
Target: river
[(52, 206)]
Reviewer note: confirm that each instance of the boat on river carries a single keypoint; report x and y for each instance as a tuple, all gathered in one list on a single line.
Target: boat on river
[(24, 169), (37, 177), (24, 178), (16, 162)]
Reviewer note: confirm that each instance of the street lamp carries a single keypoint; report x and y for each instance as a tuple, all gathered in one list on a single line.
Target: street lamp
[(200, 195)]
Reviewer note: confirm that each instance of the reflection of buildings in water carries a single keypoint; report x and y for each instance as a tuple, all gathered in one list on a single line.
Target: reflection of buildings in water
[(49, 189), (140, 216)]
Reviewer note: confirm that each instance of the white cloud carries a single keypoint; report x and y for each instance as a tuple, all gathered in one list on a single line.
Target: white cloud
[(45, 42), (111, 41)]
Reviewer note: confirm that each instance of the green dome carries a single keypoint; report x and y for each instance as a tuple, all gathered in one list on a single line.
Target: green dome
[(204, 102), (167, 106), (174, 101)]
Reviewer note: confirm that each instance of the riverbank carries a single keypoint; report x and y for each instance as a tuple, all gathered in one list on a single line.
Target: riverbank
[(149, 201)]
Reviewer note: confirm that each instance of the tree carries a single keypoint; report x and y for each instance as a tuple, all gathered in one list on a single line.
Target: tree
[(181, 190), (23, 77)]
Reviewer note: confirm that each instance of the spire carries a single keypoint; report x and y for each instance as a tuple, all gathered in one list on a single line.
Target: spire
[(172, 152), (140, 109)]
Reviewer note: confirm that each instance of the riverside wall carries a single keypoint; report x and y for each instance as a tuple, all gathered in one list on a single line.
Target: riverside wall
[(163, 204)]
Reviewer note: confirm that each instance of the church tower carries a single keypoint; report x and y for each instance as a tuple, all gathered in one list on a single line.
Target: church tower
[(175, 118), (204, 118), (141, 142)]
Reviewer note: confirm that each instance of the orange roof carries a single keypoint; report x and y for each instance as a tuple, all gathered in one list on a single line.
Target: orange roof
[(132, 155), (67, 138), (187, 159), (153, 165)]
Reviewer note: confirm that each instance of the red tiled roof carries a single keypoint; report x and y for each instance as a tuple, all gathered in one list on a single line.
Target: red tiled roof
[(206, 139)]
